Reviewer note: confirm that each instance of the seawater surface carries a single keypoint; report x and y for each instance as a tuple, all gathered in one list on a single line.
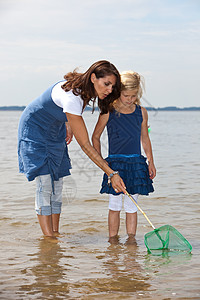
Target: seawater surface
[(82, 264)]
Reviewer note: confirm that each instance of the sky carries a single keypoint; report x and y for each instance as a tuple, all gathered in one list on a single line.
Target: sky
[(41, 40)]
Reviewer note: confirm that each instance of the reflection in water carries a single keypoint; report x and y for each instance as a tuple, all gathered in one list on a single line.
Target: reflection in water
[(122, 274), (117, 271), (167, 271), (126, 273), (167, 258), (50, 279)]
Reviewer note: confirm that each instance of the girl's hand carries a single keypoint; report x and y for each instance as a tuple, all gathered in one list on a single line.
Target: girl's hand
[(152, 170), (118, 184)]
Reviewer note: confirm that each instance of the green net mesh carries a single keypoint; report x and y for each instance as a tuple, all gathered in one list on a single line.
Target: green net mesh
[(166, 238)]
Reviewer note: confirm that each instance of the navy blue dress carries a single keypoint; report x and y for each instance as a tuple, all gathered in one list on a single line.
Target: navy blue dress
[(124, 133), (42, 148)]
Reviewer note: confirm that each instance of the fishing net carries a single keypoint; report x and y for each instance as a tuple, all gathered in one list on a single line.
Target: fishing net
[(166, 238)]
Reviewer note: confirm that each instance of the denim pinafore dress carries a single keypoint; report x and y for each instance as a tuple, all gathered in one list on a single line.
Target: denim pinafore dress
[(42, 148)]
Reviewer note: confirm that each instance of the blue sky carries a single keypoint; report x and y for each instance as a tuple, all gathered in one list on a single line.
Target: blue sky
[(41, 40)]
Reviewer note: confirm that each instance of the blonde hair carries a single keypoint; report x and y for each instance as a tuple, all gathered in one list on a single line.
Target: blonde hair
[(130, 81)]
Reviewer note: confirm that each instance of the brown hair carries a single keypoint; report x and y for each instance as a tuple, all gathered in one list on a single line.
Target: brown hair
[(80, 84)]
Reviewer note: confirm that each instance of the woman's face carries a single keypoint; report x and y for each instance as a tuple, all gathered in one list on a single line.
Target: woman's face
[(103, 86)]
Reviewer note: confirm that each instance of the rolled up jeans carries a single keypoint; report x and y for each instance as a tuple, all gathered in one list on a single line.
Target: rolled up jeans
[(48, 202)]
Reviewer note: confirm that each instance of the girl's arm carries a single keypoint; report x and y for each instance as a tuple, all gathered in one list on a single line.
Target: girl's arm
[(80, 132), (99, 128), (146, 143)]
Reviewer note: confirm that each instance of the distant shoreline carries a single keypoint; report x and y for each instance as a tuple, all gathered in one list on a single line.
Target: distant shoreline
[(168, 108)]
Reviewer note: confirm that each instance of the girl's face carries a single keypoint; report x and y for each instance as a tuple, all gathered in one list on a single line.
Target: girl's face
[(128, 97), (103, 86)]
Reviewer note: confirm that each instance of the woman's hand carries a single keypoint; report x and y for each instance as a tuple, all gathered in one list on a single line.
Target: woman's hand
[(118, 184), (69, 133)]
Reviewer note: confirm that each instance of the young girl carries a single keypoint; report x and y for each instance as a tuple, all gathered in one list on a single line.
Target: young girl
[(127, 129)]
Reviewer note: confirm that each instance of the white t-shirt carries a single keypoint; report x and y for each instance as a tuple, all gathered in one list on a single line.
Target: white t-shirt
[(67, 100)]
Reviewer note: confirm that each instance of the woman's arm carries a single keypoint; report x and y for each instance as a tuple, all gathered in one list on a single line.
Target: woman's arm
[(99, 128), (146, 143), (80, 132)]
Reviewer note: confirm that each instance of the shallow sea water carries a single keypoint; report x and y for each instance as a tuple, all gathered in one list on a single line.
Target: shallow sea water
[(82, 264)]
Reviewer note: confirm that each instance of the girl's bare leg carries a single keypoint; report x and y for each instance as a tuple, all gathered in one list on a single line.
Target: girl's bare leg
[(131, 223), (113, 222)]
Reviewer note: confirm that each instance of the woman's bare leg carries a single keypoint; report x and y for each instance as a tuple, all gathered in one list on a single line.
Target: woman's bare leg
[(55, 222), (46, 224)]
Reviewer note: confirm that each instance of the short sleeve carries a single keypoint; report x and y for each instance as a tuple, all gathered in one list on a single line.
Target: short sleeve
[(69, 102), (72, 104)]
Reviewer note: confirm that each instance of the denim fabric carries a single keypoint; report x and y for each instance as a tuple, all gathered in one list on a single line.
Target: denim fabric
[(47, 202)]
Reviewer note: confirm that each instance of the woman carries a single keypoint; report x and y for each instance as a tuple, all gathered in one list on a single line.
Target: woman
[(42, 137)]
